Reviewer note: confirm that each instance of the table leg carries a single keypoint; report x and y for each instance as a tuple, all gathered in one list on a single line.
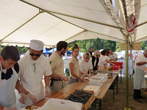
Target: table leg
[(100, 104)]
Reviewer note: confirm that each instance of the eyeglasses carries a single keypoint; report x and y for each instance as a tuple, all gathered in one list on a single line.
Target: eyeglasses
[(37, 55)]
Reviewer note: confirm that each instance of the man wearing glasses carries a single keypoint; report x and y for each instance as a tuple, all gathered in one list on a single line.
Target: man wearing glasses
[(34, 67)]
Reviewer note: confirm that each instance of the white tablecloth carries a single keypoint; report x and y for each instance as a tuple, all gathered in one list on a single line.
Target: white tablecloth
[(60, 104)]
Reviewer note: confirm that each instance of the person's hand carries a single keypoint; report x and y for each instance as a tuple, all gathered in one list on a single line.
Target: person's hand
[(64, 78), (86, 75), (86, 78), (22, 99), (32, 97), (145, 69), (1, 108), (144, 62), (6, 108), (29, 95), (81, 79), (47, 91)]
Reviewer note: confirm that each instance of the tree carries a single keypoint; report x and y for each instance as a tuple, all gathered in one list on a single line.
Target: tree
[(97, 44), (144, 45)]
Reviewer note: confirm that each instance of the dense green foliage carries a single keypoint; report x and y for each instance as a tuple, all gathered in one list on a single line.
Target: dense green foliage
[(144, 45), (97, 44), (84, 45)]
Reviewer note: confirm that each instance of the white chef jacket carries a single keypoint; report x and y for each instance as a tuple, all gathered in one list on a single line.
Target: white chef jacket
[(32, 73), (141, 58), (139, 72)]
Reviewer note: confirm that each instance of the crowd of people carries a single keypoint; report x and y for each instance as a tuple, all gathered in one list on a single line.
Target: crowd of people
[(35, 76)]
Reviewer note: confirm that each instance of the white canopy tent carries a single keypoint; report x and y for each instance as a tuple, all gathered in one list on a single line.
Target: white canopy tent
[(43, 27), (92, 35), (101, 16), (21, 22), (55, 20)]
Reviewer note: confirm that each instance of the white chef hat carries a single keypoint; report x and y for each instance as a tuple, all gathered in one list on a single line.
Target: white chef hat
[(36, 45)]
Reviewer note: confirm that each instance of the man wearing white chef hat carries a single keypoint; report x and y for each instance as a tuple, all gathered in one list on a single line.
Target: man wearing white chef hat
[(33, 68), (36, 45)]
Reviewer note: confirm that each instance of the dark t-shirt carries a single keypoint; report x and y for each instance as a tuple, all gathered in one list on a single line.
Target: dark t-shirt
[(95, 62)]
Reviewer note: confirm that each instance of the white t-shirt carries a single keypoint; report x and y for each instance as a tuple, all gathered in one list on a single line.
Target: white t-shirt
[(32, 73), (7, 90), (113, 56), (85, 66), (75, 61), (103, 60), (141, 58)]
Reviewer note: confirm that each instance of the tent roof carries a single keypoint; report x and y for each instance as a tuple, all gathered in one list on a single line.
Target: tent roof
[(91, 35), (29, 23), (55, 20), (46, 28)]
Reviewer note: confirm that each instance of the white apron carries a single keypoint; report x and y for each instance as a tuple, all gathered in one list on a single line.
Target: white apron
[(138, 78), (7, 93)]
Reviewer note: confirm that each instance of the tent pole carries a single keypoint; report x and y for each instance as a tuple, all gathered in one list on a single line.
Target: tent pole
[(127, 75), (17, 43), (65, 20), (88, 20), (126, 56), (75, 35), (63, 14), (142, 38), (131, 57), (141, 24), (19, 27), (95, 33)]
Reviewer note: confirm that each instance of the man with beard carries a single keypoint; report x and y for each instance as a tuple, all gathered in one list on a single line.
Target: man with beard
[(57, 66)]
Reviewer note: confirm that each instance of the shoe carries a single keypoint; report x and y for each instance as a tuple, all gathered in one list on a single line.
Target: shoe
[(136, 94), (141, 97), (139, 100)]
